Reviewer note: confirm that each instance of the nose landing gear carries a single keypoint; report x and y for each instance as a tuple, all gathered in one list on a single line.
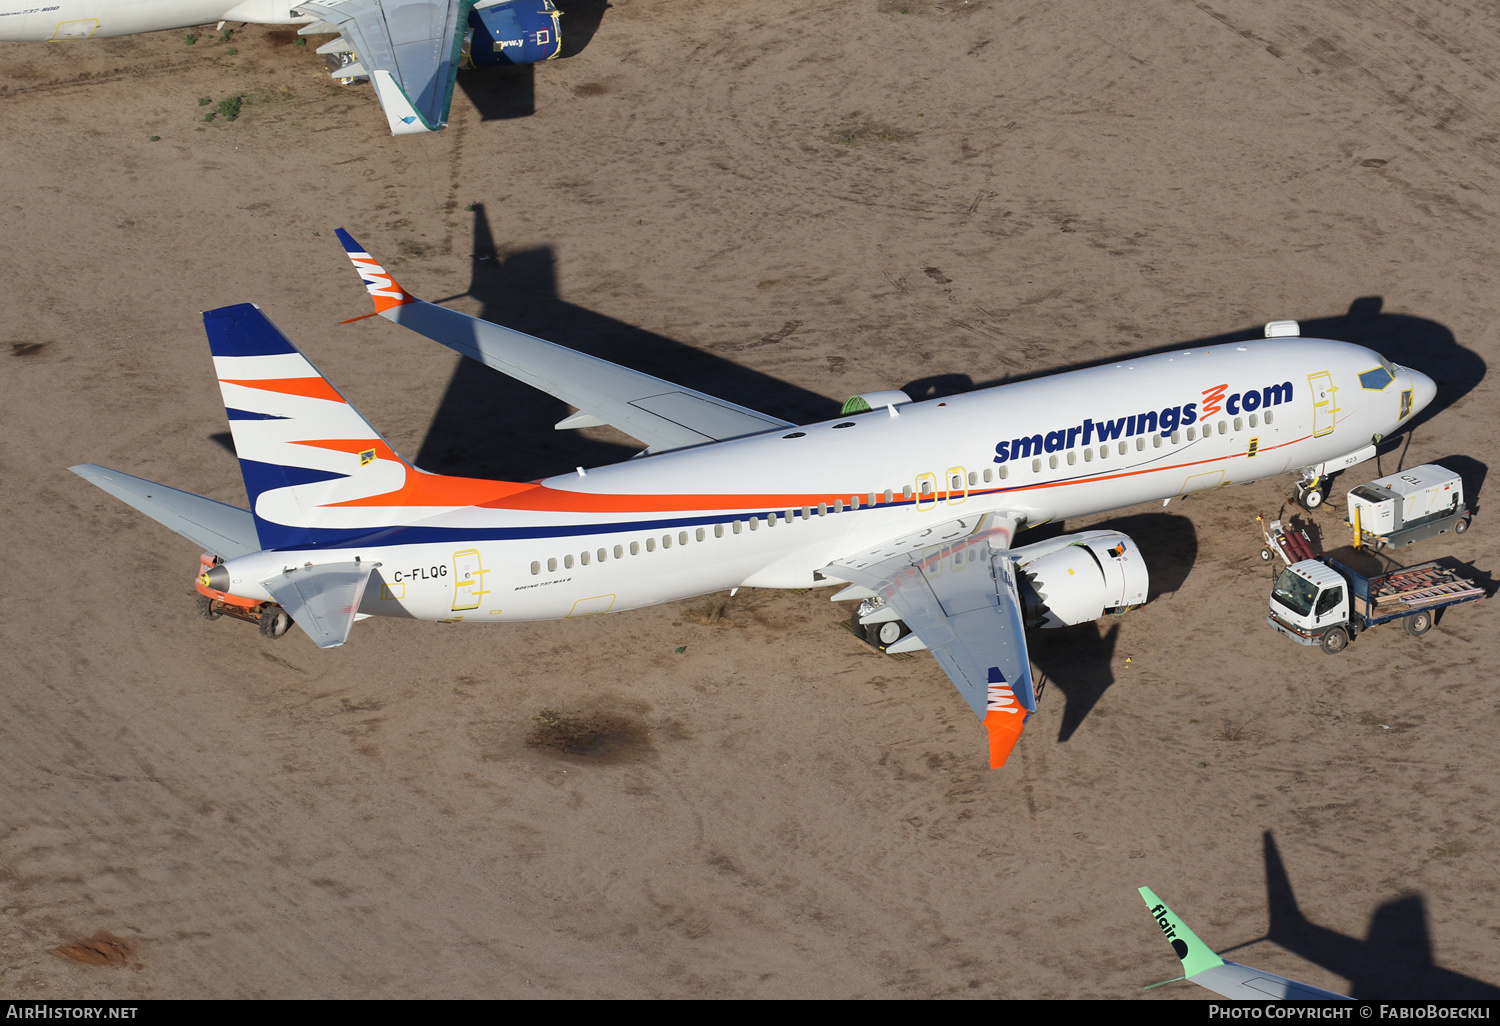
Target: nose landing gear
[(1311, 494)]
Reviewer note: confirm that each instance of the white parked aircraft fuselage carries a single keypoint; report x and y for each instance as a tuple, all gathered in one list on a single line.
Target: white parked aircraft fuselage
[(770, 510), (39, 20)]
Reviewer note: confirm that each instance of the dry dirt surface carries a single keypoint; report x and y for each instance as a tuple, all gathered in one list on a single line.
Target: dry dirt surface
[(784, 204)]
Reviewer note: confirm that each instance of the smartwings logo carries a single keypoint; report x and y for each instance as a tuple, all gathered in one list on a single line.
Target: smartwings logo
[(1163, 421)]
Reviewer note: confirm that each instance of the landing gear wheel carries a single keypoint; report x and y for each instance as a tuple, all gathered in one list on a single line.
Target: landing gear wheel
[(1265, 555), (1336, 640), (1418, 624), (884, 635), (1311, 498), (208, 608), (275, 621), (1461, 525)]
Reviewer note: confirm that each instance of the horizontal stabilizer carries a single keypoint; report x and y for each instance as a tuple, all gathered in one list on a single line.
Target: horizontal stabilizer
[(322, 600), (213, 526)]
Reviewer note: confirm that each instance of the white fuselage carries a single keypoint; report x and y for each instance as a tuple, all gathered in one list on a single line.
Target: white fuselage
[(41, 20), (771, 510)]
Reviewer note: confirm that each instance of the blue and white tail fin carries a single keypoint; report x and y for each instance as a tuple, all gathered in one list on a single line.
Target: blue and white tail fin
[(301, 446)]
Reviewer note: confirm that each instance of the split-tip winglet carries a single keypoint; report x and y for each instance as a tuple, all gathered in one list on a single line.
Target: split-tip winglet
[(383, 289), (1195, 955)]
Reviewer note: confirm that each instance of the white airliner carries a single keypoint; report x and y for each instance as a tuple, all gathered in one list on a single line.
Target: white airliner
[(914, 505), (410, 49)]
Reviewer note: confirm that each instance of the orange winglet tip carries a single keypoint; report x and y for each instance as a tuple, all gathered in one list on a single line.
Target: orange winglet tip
[(1004, 728)]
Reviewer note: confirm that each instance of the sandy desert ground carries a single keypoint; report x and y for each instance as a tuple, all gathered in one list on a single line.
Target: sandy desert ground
[(784, 204)]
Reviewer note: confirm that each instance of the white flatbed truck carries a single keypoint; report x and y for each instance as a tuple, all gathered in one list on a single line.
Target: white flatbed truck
[(1322, 602)]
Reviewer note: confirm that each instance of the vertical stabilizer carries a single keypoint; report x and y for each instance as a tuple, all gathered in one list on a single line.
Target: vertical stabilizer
[(300, 444)]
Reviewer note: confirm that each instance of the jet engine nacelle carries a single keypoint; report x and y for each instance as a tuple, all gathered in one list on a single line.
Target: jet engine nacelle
[(512, 32), (1080, 577)]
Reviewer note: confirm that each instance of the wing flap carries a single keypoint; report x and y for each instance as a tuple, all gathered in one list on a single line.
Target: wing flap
[(323, 600), (213, 526)]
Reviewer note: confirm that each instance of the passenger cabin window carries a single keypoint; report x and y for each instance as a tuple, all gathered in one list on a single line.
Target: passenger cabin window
[(1268, 416), (1052, 460), (1036, 466), (1253, 420), (1004, 473), (536, 567), (1239, 424), (989, 474), (551, 565)]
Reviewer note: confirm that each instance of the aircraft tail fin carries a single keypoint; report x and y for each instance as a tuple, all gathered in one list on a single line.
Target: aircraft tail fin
[(301, 445)]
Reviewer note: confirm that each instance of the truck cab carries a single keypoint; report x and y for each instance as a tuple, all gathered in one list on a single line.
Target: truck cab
[(1309, 598)]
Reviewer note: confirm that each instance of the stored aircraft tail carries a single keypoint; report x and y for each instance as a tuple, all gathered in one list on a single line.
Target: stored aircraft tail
[(300, 444)]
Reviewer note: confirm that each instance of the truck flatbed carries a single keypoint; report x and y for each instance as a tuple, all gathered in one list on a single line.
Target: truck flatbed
[(1391, 595)]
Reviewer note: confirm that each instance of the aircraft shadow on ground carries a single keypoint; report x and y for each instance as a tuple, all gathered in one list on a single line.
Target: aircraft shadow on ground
[(580, 21), (1413, 342), (490, 425), (501, 94), (1076, 660), (1393, 962)]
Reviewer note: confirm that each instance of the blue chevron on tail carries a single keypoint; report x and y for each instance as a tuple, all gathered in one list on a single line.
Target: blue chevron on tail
[(301, 446)]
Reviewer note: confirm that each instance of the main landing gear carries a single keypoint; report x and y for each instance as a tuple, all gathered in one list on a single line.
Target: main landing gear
[(879, 636)]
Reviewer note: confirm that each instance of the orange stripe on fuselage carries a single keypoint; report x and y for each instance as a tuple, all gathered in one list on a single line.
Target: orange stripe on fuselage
[(439, 490), (311, 388)]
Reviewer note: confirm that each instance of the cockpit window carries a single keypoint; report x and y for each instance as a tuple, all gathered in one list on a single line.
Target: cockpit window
[(1377, 378)]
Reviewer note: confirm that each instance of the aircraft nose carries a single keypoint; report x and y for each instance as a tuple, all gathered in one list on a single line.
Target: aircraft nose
[(1424, 390)]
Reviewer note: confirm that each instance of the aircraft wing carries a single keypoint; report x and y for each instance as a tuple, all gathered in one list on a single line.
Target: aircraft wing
[(211, 525), (955, 586), (409, 48), (323, 599), (1229, 979), (659, 413)]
